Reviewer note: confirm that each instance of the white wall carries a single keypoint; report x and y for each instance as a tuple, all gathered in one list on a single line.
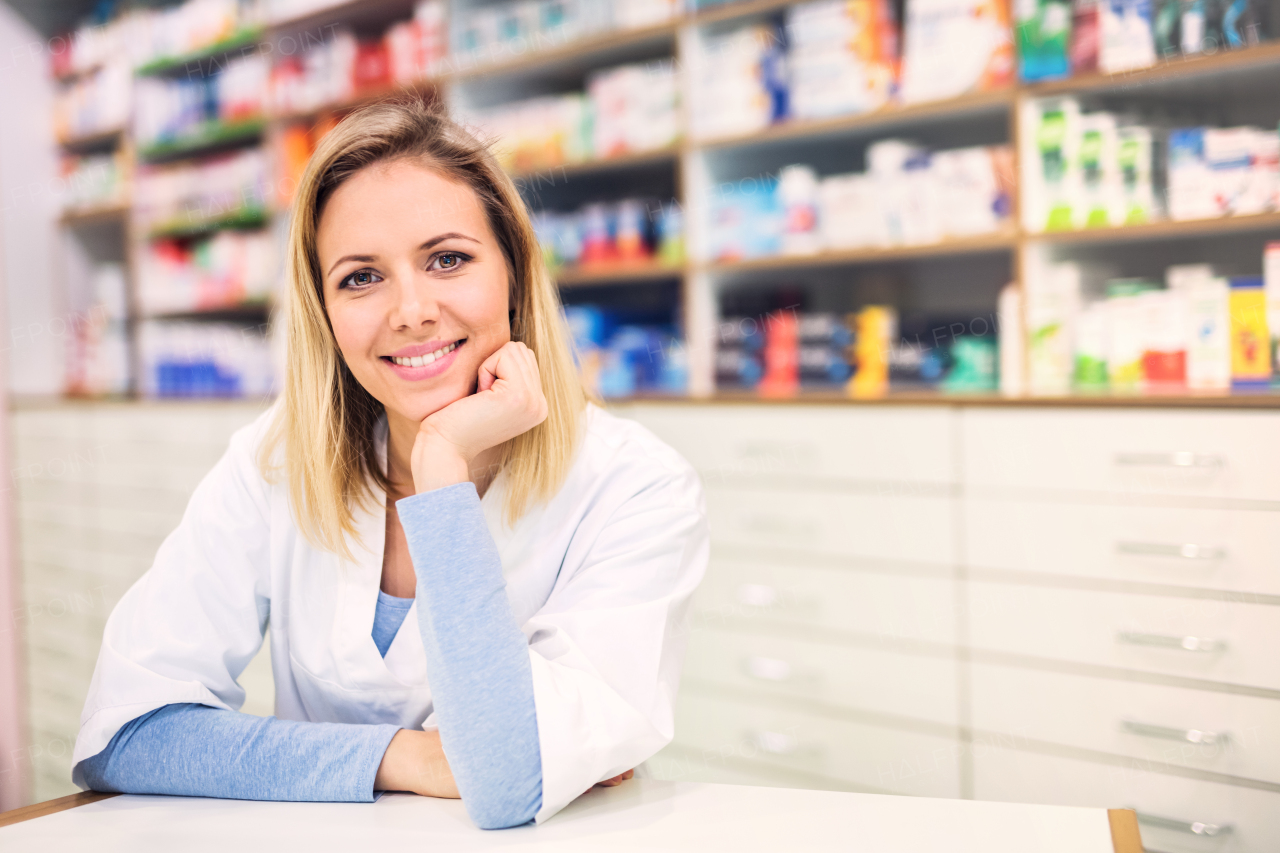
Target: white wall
[(30, 358), (32, 334)]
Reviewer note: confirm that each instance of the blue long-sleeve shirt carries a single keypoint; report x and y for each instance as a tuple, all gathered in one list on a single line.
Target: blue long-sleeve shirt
[(481, 682)]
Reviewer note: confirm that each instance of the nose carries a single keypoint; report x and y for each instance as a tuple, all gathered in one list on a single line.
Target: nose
[(414, 303)]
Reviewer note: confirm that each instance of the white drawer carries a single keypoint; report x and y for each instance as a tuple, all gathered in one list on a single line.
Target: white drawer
[(924, 688), (897, 444), (1236, 550), (889, 527), (1219, 732), (1024, 777), (868, 757), (1202, 454), (1211, 639), (860, 602)]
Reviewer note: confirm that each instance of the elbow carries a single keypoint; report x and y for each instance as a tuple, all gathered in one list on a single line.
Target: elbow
[(92, 774), (500, 818), (504, 809)]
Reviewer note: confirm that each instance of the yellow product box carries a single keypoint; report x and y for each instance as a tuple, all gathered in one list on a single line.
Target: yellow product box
[(1250, 340), (875, 327)]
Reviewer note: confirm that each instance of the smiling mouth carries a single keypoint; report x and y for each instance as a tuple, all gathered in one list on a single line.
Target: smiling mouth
[(426, 358)]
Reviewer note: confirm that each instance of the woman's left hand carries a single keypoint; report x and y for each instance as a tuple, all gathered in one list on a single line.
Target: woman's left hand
[(508, 402)]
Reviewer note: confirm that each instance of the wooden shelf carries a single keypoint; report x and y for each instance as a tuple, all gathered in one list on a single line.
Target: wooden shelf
[(1182, 67), (1164, 230), (72, 76), (550, 174), (211, 137), (93, 141), (729, 398), (1000, 241), (937, 398), (169, 64), (619, 273), (251, 217), (229, 311), (360, 99), (995, 101), (735, 9), (95, 215), (340, 13), (580, 48)]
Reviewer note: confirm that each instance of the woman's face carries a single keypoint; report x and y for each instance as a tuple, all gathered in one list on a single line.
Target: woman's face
[(415, 285)]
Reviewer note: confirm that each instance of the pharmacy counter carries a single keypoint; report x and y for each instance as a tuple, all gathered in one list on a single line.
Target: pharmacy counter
[(639, 815)]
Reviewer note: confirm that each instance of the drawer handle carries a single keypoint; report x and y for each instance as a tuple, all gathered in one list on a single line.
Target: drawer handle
[(1167, 733), (764, 597), (1164, 641), (1193, 827), (1179, 459), (784, 745), (775, 452), (767, 669), (777, 525), (1189, 551)]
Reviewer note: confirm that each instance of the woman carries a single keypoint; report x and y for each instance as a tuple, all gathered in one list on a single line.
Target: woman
[(475, 580)]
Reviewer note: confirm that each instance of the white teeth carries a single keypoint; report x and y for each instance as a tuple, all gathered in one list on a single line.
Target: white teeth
[(423, 360)]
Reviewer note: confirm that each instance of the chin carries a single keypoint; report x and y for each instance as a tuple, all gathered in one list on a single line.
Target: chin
[(420, 405)]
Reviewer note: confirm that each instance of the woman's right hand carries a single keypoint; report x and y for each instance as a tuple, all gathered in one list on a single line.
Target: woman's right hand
[(414, 761), (508, 402)]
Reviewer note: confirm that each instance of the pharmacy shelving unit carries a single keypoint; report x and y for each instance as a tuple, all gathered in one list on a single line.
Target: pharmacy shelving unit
[(688, 171)]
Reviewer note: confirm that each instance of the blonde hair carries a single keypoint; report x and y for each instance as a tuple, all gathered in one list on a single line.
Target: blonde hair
[(326, 419)]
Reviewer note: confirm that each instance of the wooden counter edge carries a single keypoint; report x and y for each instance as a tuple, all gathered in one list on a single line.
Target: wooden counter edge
[(52, 806), (1124, 830)]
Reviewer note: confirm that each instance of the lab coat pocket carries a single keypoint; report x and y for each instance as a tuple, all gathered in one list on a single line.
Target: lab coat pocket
[(395, 704)]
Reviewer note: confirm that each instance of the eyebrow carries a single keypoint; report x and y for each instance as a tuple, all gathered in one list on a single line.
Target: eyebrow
[(368, 259)]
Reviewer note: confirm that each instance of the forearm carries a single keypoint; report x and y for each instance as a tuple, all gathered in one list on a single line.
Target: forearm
[(477, 657), (198, 751)]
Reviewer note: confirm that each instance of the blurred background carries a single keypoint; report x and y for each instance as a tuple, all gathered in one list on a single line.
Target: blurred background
[(965, 310)]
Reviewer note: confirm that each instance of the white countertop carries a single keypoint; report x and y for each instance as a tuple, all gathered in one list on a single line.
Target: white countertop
[(638, 815)]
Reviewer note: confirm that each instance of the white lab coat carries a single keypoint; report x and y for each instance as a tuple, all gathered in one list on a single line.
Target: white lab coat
[(599, 578)]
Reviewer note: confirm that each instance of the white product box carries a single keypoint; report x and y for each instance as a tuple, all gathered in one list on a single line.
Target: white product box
[(1050, 143), (1127, 39), (1228, 154), (968, 191), (1191, 184), (1259, 193), (1100, 192), (1053, 300), (1209, 335), (1135, 151), (952, 47)]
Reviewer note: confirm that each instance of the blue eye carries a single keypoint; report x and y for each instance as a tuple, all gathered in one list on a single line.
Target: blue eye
[(360, 278)]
